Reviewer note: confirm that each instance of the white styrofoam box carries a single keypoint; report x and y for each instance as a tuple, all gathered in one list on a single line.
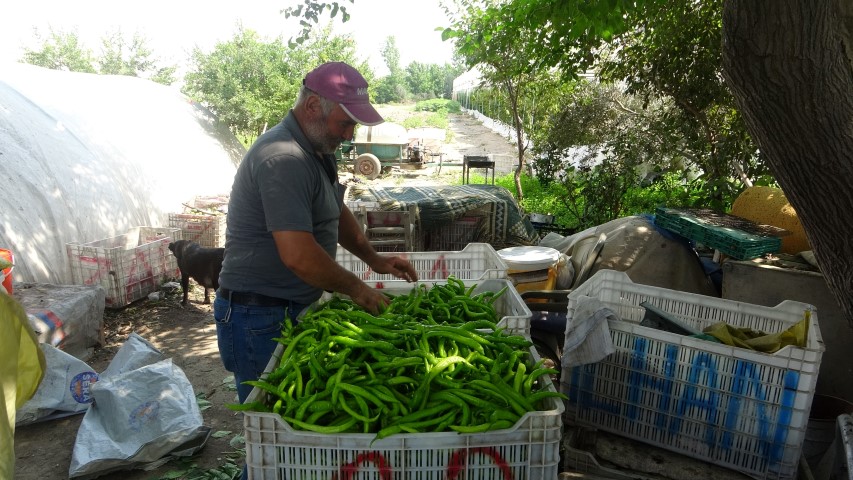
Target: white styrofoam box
[(529, 450), (730, 406), (477, 261), (128, 266)]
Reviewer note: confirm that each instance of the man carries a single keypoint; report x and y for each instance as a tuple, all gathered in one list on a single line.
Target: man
[(285, 218)]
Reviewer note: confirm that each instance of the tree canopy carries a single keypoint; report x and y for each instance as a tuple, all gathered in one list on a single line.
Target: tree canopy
[(250, 82), (61, 50)]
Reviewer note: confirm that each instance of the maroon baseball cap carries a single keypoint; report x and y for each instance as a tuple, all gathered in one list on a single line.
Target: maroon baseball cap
[(341, 83)]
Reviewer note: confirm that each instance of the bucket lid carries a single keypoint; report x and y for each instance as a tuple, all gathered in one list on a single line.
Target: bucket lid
[(528, 259)]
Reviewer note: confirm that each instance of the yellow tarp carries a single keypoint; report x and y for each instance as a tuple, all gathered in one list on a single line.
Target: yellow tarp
[(796, 335), (21, 370)]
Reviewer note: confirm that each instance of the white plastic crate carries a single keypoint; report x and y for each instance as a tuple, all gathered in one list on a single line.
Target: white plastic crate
[(206, 230), (513, 313), (529, 450), (477, 261), (730, 406), (128, 266)]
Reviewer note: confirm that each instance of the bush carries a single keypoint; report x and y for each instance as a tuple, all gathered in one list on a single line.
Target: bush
[(438, 105)]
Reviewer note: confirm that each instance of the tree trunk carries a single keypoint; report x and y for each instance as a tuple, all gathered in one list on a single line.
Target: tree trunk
[(789, 64)]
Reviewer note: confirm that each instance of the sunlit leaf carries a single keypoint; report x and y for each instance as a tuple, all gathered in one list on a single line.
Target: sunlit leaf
[(237, 441)]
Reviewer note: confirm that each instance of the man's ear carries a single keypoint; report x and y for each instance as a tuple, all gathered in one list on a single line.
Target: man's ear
[(313, 106)]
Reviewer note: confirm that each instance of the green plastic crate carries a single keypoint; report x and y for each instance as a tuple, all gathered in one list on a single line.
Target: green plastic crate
[(730, 241)]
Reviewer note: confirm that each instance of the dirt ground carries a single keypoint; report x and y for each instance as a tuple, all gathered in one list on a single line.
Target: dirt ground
[(188, 336)]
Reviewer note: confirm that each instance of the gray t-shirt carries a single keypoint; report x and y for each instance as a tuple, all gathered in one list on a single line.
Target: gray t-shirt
[(281, 185)]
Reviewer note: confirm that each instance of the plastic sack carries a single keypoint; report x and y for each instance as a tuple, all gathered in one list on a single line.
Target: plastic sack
[(138, 418), (63, 391), (22, 366), (565, 272), (135, 352)]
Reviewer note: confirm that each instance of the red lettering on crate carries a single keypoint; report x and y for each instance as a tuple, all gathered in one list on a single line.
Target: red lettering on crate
[(456, 465), (440, 265), (349, 470)]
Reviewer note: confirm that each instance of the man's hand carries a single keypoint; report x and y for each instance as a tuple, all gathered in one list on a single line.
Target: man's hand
[(371, 300), (399, 267)]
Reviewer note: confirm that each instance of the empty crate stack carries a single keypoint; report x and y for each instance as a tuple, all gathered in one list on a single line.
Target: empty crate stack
[(128, 266)]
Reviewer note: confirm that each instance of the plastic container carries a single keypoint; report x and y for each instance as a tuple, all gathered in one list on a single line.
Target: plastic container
[(529, 450), (6, 273), (128, 266), (730, 406), (206, 230), (529, 258), (477, 261)]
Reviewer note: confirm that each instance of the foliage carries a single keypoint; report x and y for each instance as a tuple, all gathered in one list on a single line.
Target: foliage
[(575, 209), (504, 59), (119, 56), (667, 53), (250, 83), (61, 51), (673, 51), (309, 13), (392, 87), (438, 105), (432, 119), (188, 470), (133, 58)]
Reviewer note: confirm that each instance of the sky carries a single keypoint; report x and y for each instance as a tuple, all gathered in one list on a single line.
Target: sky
[(174, 27)]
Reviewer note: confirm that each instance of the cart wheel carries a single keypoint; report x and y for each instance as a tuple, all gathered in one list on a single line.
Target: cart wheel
[(368, 165)]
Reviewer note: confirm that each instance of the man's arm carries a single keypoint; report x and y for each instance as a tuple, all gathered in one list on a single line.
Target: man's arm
[(301, 253)]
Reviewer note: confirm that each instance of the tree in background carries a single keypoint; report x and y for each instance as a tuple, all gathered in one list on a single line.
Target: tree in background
[(671, 51), (63, 51), (504, 61), (426, 80), (392, 87), (250, 83), (60, 51), (133, 58)]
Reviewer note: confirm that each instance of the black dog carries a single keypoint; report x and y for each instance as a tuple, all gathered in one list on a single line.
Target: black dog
[(201, 263)]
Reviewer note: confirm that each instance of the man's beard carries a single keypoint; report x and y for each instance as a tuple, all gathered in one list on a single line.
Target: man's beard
[(320, 139)]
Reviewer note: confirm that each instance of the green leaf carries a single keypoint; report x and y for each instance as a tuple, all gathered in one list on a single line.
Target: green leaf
[(203, 404), (173, 474), (238, 441), (221, 433)]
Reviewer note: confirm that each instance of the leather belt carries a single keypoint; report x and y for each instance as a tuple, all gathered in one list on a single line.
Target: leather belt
[(252, 299)]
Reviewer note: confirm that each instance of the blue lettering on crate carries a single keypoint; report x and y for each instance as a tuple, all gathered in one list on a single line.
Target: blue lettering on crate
[(702, 376), (702, 363), (639, 381), (581, 389)]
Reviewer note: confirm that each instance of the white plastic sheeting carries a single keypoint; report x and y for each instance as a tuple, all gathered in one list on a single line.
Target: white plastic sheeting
[(85, 157)]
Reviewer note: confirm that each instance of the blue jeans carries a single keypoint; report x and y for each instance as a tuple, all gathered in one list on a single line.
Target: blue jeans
[(245, 335)]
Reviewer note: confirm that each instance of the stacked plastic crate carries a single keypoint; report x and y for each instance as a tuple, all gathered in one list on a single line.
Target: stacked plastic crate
[(734, 242), (128, 266)]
